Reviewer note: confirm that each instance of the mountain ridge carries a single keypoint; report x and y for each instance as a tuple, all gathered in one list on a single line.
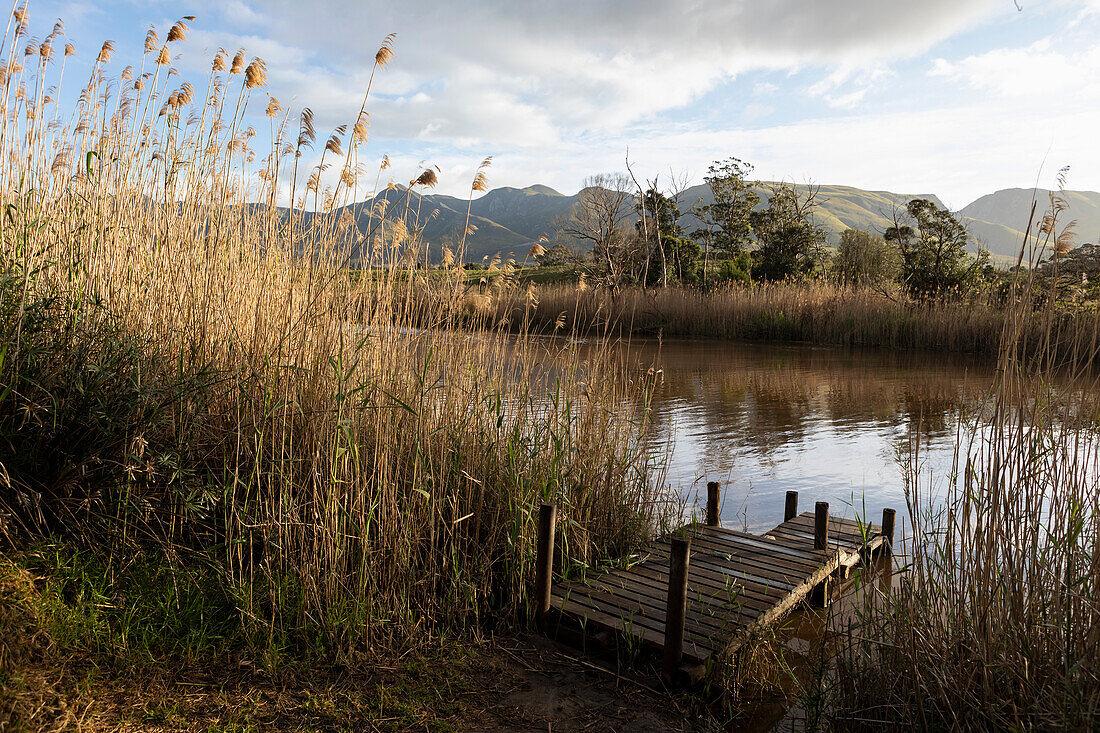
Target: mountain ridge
[(508, 220)]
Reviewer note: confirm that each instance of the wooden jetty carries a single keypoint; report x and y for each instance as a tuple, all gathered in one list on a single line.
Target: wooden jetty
[(704, 590)]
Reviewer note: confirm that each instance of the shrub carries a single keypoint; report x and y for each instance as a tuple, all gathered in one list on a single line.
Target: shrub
[(864, 259)]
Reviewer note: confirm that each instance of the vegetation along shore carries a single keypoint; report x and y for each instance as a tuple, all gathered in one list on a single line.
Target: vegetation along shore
[(269, 458)]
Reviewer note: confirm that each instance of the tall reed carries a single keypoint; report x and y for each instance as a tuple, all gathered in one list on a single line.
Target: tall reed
[(817, 311), (188, 367), (996, 623)]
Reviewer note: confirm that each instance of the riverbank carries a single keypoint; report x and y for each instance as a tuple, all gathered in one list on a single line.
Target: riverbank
[(60, 669), (220, 460), (818, 312)]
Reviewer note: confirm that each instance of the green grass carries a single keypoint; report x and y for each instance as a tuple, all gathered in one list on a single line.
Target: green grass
[(151, 646), (555, 275), (144, 611)]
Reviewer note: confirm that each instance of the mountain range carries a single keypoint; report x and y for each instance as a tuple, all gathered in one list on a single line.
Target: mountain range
[(508, 221)]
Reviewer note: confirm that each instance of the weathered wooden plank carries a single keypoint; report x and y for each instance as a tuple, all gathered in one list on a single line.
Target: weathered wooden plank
[(836, 524), (655, 581), (693, 648), (836, 536), (718, 559), (652, 605), (720, 578), (794, 538), (724, 554), (769, 554), (626, 619), (649, 626), (736, 582), (792, 559), (762, 543), (780, 609), (650, 598), (764, 555)]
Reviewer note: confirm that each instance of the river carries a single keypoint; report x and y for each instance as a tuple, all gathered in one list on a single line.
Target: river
[(830, 423)]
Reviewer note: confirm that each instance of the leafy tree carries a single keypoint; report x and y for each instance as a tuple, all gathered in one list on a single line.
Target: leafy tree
[(934, 260), (726, 222), (734, 271), (662, 211), (790, 244), (662, 224), (865, 259), (683, 255), (559, 254)]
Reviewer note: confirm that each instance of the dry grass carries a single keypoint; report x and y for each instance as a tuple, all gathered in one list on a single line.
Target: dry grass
[(186, 370), (817, 311), (996, 625)]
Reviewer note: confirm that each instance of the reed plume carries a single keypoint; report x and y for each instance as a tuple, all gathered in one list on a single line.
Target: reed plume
[(254, 395)]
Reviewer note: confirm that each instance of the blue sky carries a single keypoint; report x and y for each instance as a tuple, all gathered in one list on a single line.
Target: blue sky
[(953, 97)]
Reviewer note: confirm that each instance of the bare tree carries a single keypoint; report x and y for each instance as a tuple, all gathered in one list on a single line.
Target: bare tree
[(601, 209), (644, 221)]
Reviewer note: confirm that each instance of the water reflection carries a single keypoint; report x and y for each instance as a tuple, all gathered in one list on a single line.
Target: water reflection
[(826, 422)]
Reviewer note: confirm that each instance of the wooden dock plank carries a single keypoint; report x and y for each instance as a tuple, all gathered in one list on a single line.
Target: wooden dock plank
[(652, 599), (736, 582), (635, 612), (645, 629), (725, 571), (781, 568), (654, 583), (719, 582), (765, 545)]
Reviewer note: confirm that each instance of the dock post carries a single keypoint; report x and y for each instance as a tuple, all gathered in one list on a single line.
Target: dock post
[(821, 525), (677, 606), (544, 560), (888, 529), (790, 507), (712, 503), (819, 596)]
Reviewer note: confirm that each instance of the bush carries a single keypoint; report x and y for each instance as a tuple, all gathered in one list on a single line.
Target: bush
[(85, 428), (863, 259)]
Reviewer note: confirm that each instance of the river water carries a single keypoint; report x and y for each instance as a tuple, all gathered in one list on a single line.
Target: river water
[(834, 424)]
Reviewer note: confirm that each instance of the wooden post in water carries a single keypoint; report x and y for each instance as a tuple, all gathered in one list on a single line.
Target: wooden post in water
[(676, 609), (712, 503), (819, 596), (821, 525), (544, 559), (790, 508), (888, 529)]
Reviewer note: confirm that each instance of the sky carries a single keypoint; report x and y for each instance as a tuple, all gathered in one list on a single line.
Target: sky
[(957, 98)]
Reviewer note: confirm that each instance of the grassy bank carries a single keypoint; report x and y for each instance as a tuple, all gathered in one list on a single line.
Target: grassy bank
[(814, 312), (74, 655), (190, 406)]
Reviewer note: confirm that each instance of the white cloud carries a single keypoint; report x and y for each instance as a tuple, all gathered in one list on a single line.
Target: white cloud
[(847, 85), (519, 73), (558, 91), (755, 111), (241, 13), (951, 152), (1036, 70)]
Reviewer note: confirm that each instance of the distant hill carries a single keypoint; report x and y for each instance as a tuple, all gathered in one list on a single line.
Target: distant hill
[(444, 218), (839, 207), (999, 219), (507, 221)]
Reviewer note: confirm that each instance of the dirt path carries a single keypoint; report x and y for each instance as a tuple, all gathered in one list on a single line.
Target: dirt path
[(519, 683), (553, 689)]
